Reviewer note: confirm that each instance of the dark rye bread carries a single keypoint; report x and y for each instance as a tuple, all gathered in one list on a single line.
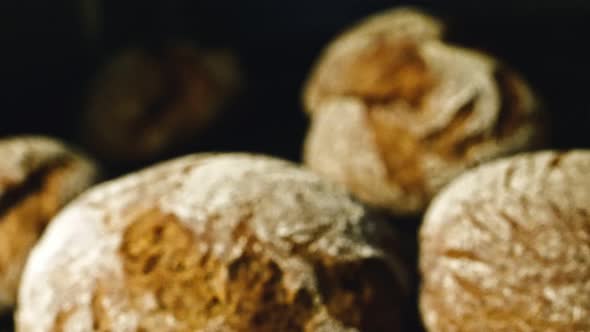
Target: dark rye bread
[(145, 103), (229, 242), (396, 112), (506, 247), (38, 176)]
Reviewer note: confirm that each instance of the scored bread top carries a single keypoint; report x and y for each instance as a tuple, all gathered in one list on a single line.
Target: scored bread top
[(25, 155), (397, 112)]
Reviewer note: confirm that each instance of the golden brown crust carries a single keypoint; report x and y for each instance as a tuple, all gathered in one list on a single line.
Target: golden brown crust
[(431, 109), (145, 103), (39, 176), (364, 60), (377, 72), (230, 242), (505, 247)]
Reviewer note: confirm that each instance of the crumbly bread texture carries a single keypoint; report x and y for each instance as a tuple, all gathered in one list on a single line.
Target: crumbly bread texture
[(506, 247), (396, 113), (145, 103), (38, 176), (214, 242)]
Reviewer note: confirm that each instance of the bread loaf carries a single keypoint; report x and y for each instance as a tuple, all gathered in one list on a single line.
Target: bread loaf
[(506, 247), (229, 242), (38, 176), (145, 103), (396, 112)]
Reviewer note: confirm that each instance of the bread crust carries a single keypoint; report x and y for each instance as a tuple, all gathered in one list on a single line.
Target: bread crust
[(252, 234), (505, 247), (38, 176), (396, 112)]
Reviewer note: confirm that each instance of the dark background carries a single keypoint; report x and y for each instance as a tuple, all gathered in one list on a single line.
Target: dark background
[(47, 60)]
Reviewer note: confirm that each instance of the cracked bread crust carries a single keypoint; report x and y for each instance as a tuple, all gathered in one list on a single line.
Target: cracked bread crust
[(505, 247), (396, 112), (38, 176), (229, 242)]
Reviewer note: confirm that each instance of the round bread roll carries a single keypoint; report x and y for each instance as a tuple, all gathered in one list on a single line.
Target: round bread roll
[(38, 176), (143, 104), (506, 247), (229, 242), (396, 113)]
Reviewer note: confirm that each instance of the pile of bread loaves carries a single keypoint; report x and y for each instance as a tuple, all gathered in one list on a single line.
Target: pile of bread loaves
[(402, 124)]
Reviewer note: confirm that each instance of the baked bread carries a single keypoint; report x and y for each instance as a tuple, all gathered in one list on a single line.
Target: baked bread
[(229, 242), (38, 176), (396, 112), (505, 247), (145, 103)]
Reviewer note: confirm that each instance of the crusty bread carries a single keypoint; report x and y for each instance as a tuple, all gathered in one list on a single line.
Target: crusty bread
[(396, 113), (506, 247), (229, 242), (38, 176), (144, 104)]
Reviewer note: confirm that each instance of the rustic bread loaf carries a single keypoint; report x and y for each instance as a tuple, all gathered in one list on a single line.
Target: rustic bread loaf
[(396, 112), (506, 247), (230, 242), (146, 103), (38, 176)]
